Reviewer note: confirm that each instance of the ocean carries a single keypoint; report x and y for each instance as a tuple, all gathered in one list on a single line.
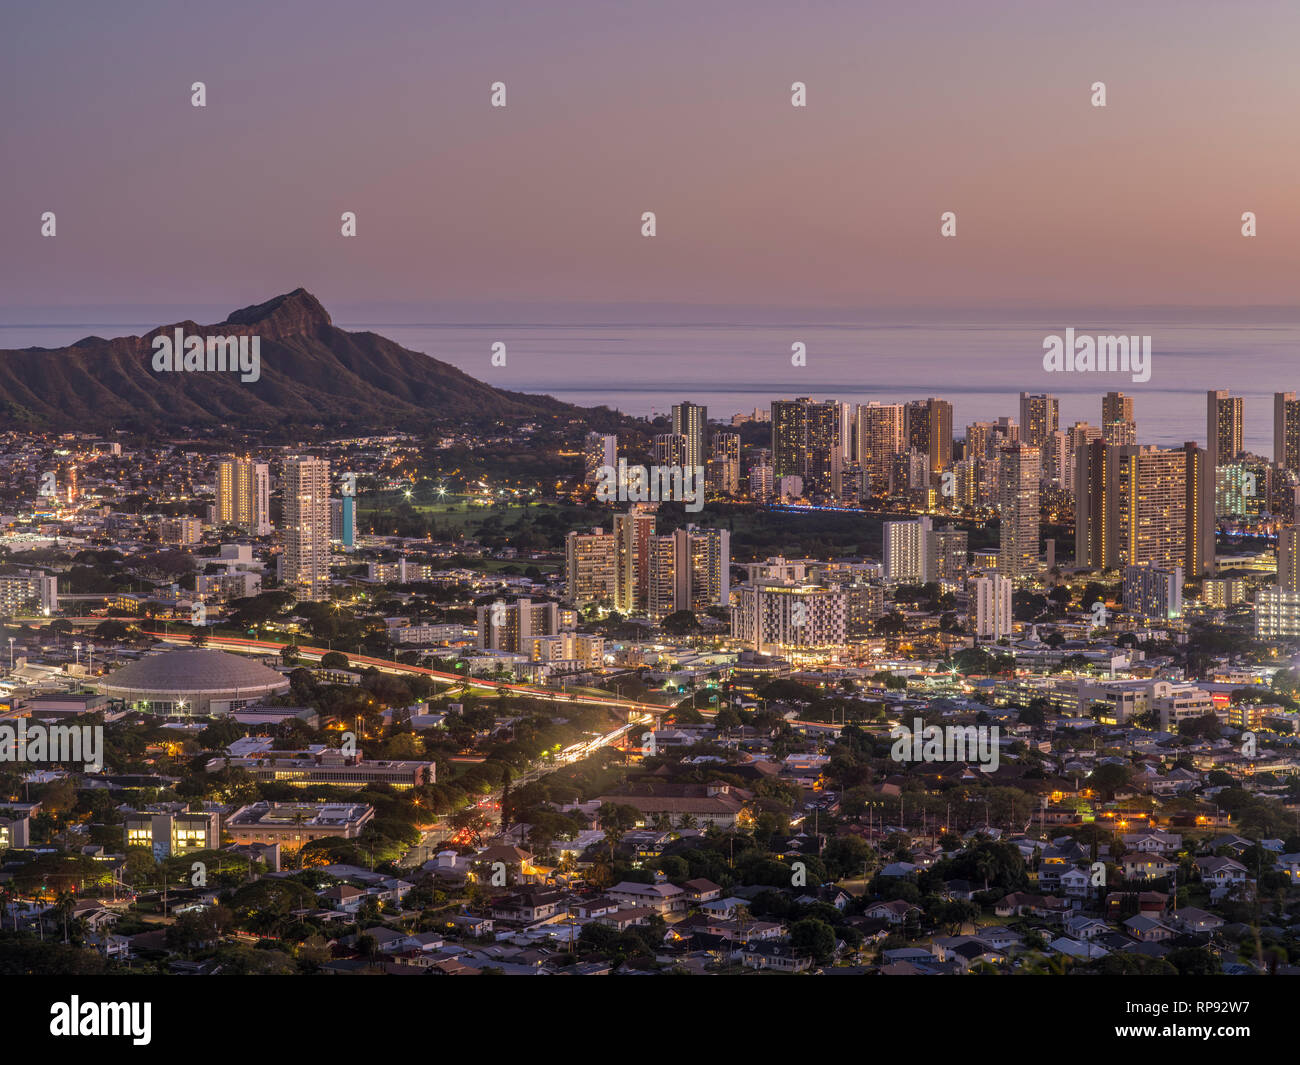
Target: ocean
[(734, 367)]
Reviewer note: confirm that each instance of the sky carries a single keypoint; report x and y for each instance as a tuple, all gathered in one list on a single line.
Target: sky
[(617, 108)]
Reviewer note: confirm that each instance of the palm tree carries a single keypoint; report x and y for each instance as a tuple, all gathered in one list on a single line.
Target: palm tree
[(64, 903)]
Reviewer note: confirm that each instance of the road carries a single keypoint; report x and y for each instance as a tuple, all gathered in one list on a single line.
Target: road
[(387, 665), (490, 804)]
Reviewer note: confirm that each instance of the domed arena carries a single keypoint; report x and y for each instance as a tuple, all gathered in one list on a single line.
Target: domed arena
[(192, 682)]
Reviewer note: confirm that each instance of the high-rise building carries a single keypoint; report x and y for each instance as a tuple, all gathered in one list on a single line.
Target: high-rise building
[(1153, 592), (512, 626), (1224, 434), (632, 533), (1081, 435), (1040, 416), (1286, 431), (244, 495), (1118, 425), (1277, 613), (703, 565), (990, 607), (761, 484), (1019, 470), (687, 570), (1284, 495), (591, 568), (980, 438), (1201, 526), (1141, 504), (845, 414), (343, 521), (1242, 487), (1058, 460), (671, 449), (878, 437), (568, 650), (770, 615), (928, 429), (28, 590), (184, 530), (909, 470), (945, 555), (1219, 593), (722, 474), (1288, 558), (806, 443), (915, 552), (691, 421), (661, 583), (1224, 430), (968, 477), (906, 544), (305, 563), (598, 450)]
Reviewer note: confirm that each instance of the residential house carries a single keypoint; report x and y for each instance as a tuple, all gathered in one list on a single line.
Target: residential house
[(777, 957), (662, 898), (895, 911), (1148, 929)]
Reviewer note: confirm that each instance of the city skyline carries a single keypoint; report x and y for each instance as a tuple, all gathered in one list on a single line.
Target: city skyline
[(587, 489)]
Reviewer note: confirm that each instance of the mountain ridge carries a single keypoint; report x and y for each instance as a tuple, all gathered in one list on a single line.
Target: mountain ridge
[(312, 373)]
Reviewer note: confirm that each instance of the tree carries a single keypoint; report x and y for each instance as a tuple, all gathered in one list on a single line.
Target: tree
[(814, 938), (471, 821), (1194, 961), (368, 947), (615, 819), (681, 623), (1110, 778), (846, 855), (199, 928), (727, 718), (334, 660), (64, 903)]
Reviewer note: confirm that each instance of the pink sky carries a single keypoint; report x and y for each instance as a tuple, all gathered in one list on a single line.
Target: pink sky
[(682, 108)]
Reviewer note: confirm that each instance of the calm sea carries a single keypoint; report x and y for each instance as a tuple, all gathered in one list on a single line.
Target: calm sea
[(643, 369)]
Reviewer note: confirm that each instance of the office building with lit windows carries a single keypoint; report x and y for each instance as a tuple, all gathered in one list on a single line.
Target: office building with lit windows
[(305, 563), (171, 835), (1142, 504), (244, 495)]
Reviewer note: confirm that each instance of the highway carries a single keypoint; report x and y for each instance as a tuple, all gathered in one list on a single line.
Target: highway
[(387, 665), (644, 714)]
